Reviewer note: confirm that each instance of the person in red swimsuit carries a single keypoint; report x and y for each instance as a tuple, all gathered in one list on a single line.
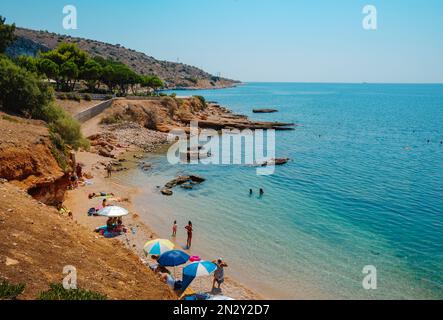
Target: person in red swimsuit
[(189, 230), (174, 229)]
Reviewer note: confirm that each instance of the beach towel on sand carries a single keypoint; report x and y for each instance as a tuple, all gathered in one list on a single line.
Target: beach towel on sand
[(105, 232), (111, 234)]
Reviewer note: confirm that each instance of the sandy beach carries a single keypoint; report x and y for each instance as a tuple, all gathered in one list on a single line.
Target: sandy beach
[(138, 231)]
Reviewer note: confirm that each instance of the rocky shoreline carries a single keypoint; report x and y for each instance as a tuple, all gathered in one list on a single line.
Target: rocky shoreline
[(136, 124), (124, 144)]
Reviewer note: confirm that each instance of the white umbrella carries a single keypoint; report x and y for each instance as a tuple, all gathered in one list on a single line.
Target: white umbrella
[(113, 212), (220, 298)]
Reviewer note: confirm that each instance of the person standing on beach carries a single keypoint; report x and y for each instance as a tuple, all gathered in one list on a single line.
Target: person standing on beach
[(189, 230), (219, 274), (79, 170), (109, 169), (174, 229)]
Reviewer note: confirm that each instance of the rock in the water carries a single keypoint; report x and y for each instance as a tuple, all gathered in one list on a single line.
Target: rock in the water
[(177, 181), (186, 182), (264, 110), (197, 179), (146, 166), (166, 192), (276, 162)]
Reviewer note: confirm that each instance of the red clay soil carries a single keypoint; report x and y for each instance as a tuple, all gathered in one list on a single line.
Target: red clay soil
[(26, 159), (37, 242)]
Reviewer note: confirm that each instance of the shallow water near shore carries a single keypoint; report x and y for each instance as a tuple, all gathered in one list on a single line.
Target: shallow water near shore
[(364, 187)]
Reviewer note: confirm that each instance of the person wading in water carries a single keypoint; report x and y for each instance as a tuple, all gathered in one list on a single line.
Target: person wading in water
[(189, 230)]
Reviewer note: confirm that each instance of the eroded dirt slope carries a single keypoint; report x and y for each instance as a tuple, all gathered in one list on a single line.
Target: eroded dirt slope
[(37, 243), (27, 160)]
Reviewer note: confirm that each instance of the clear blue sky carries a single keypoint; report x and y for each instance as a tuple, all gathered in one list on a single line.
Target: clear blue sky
[(263, 40)]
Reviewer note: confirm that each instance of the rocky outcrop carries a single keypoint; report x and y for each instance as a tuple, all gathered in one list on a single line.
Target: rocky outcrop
[(166, 192), (275, 162), (27, 159), (265, 110), (186, 182), (25, 46), (241, 124)]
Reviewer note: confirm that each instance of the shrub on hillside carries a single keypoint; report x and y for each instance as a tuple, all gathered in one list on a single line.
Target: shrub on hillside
[(170, 104), (74, 96), (202, 100), (7, 34), (57, 292), (63, 126), (87, 97), (9, 118), (21, 92), (111, 119), (183, 114), (67, 128), (62, 96), (10, 291), (152, 118)]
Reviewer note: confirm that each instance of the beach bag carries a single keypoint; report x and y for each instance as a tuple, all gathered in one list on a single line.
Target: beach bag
[(195, 259), (92, 212)]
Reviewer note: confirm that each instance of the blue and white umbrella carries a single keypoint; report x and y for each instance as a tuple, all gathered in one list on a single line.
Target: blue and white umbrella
[(197, 269)]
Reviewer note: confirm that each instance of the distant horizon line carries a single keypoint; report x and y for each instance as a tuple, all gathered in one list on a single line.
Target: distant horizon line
[(340, 82)]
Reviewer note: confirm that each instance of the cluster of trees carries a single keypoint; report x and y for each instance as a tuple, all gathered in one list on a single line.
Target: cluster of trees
[(6, 34), (68, 64), (22, 92)]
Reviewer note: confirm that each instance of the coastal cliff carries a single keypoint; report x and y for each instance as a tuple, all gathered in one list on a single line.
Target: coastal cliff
[(28, 159)]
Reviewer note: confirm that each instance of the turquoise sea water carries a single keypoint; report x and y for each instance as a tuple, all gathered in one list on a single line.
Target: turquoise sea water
[(364, 187)]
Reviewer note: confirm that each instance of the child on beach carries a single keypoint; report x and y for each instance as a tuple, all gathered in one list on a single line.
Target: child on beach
[(174, 229), (189, 230)]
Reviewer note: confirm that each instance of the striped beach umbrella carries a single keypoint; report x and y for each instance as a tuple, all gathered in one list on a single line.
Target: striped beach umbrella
[(157, 247), (197, 269)]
